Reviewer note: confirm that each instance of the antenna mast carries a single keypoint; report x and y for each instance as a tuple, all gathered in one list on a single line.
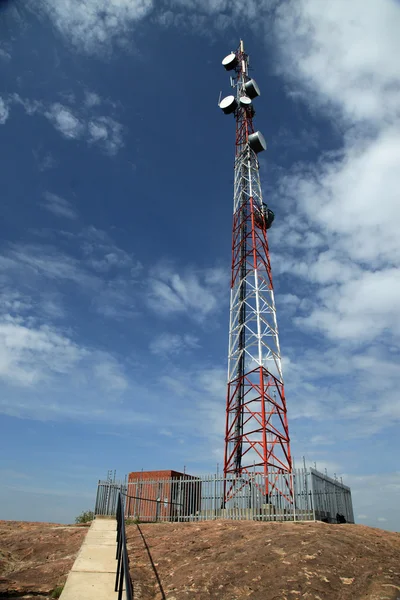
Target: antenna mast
[(257, 433)]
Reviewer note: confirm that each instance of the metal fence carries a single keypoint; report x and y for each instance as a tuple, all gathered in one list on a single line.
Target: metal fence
[(107, 497), (315, 497), (331, 498)]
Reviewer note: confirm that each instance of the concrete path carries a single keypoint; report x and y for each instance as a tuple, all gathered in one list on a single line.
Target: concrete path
[(93, 575)]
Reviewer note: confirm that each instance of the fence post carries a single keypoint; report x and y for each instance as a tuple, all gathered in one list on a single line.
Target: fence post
[(108, 494), (179, 500), (294, 498), (96, 506), (312, 494)]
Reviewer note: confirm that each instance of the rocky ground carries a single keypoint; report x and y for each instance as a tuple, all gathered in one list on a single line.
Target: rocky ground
[(263, 561), (35, 558)]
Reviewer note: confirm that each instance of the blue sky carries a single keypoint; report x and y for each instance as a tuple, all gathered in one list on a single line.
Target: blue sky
[(117, 173)]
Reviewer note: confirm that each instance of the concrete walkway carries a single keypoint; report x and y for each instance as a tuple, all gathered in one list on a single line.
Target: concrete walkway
[(93, 575)]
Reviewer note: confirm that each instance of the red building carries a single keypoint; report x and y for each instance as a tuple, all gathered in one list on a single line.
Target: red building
[(162, 496)]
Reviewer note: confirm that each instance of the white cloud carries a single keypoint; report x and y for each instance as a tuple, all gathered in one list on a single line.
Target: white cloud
[(103, 130), (4, 55), (354, 196), (105, 274), (109, 258), (107, 132), (342, 59), (320, 440), (208, 16), (30, 106), (97, 131), (17, 303), (65, 121), (344, 52), (35, 260), (289, 299), (169, 344), (109, 279), (28, 354), (58, 206), (110, 374), (77, 123), (93, 25), (68, 96), (51, 305), (198, 294), (104, 256), (12, 301), (166, 432), (45, 161), (46, 375), (4, 111), (360, 310), (116, 299), (348, 393), (92, 99)]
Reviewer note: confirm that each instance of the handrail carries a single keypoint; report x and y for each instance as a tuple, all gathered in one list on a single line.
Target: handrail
[(123, 575)]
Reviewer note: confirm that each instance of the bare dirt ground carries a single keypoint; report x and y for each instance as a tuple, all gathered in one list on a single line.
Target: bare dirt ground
[(36, 557), (263, 561), (220, 559)]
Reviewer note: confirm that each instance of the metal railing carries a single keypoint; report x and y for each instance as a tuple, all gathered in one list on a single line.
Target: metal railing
[(315, 497), (123, 578)]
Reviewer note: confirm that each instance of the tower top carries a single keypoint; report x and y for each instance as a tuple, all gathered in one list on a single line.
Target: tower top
[(241, 104)]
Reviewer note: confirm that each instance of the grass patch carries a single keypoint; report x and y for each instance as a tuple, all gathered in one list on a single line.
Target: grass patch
[(56, 593), (132, 521), (85, 517)]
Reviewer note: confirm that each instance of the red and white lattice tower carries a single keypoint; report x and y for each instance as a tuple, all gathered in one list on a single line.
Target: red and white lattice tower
[(257, 434)]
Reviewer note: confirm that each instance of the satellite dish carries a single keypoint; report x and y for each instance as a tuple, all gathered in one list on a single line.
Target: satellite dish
[(228, 105), (252, 89), (230, 61), (257, 142), (245, 101)]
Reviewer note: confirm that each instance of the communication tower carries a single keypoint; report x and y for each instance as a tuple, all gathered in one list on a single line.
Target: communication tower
[(257, 434)]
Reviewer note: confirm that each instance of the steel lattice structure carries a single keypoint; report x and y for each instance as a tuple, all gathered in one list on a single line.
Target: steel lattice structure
[(257, 434)]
